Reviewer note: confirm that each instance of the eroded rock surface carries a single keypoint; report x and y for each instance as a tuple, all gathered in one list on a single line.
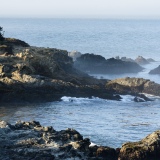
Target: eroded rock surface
[(30, 140), (146, 149), (133, 86)]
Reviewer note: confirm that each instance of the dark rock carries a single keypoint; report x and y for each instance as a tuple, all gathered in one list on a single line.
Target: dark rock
[(155, 71), (15, 42), (29, 140), (91, 63), (6, 50), (138, 99)]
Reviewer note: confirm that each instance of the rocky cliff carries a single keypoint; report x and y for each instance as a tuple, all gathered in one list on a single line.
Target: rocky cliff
[(43, 74)]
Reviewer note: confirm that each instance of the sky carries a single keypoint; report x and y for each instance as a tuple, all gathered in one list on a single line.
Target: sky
[(80, 8)]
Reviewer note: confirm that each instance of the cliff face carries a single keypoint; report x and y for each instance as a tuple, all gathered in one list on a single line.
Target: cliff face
[(44, 74)]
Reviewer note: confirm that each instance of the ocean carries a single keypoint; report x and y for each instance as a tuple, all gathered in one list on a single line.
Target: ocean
[(105, 122)]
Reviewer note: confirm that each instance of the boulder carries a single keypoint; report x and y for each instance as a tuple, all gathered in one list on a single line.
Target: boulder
[(133, 86), (146, 149), (97, 64), (155, 71)]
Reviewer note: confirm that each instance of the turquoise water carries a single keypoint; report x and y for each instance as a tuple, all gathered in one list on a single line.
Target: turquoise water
[(105, 122)]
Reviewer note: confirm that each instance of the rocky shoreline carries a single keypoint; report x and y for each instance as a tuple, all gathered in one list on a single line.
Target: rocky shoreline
[(30, 140), (37, 74)]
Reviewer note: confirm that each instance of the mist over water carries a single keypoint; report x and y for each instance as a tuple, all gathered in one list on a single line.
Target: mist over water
[(105, 122)]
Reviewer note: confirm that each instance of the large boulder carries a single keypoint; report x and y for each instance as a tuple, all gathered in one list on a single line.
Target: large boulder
[(146, 149), (133, 86), (99, 65), (155, 71)]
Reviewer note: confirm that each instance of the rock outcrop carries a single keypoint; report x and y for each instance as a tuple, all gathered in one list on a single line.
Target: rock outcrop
[(97, 64), (133, 86), (146, 149), (30, 140), (155, 71), (34, 74)]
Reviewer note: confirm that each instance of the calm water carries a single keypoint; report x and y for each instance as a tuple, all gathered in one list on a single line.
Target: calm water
[(104, 122)]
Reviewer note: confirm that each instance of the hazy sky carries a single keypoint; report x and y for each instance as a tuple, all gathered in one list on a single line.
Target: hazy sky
[(80, 8)]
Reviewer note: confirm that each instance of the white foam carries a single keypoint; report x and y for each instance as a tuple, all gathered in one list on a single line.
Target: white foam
[(127, 98)]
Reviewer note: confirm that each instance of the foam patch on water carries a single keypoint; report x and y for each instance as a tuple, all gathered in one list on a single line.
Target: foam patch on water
[(81, 100), (127, 98)]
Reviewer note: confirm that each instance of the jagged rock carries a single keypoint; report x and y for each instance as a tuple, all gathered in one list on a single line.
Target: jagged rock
[(30, 140), (133, 86), (155, 71), (146, 149), (97, 64), (140, 60), (36, 74)]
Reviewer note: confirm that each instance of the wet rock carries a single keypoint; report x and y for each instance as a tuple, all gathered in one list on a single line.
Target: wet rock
[(138, 99), (24, 141), (146, 149)]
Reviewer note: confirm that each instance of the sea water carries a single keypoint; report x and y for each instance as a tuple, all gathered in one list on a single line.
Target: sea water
[(105, 122)]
